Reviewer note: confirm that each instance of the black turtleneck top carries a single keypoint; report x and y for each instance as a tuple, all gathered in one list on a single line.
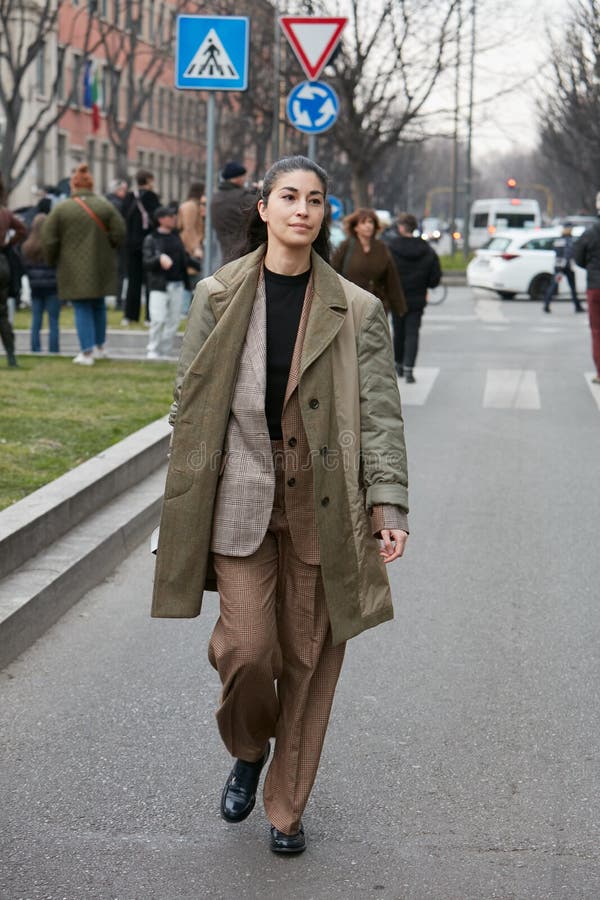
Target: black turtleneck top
[(285, 297)]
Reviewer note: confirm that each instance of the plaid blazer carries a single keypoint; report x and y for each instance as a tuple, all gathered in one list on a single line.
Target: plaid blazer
[(246, 488)]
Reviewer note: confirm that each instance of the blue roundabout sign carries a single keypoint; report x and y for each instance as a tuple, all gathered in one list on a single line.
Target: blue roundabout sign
[(312, 107)]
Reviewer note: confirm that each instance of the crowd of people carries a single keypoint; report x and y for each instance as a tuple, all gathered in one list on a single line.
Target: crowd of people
[(80, 248), (148, 256)]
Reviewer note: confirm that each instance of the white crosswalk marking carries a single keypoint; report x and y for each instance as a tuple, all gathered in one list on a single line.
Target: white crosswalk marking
[(594, 388), (489, 310), (416, 394), (511, 389)]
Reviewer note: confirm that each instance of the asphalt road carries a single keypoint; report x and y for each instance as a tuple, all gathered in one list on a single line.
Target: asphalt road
[(462, 761)]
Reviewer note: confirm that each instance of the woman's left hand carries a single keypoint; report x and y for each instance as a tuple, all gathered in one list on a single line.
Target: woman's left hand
[(394, 541)]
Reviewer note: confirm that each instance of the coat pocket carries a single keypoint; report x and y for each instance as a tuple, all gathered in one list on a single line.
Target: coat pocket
[(178, 483)]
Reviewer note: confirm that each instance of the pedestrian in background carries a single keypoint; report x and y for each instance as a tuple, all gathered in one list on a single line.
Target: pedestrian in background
[(586, 253), (287, 463), (165, 262), (139, 207), (418, 266), (44, 289), (12, 232), (229, 208), (116, 195), (190, 222), (563, 266), (366, 261), (79, 237)]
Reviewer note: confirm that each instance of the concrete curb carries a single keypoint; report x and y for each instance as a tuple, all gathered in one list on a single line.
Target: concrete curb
[(65, 538), (30, 525)]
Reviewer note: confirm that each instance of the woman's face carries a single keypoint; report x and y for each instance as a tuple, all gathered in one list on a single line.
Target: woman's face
[(294, 210), (365, 229)]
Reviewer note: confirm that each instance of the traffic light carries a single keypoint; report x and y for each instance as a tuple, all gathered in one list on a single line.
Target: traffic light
[(511, 184)]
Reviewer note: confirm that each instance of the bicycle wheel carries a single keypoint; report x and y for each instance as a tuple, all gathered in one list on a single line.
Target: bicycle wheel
[(436, 295)]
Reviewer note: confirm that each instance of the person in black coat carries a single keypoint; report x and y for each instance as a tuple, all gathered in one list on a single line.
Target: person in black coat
[(138, 210), (419, 269), (166, 262), (586, 254)]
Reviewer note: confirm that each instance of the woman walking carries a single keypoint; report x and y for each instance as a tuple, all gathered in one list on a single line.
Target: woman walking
[(366, 261), (79, 237), (287, 465), (44, 291)]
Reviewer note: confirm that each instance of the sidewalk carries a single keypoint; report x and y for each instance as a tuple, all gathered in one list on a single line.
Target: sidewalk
[(121, 343), (66, 537)]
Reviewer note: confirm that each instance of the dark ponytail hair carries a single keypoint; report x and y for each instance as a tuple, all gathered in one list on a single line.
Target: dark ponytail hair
[(256, 229)]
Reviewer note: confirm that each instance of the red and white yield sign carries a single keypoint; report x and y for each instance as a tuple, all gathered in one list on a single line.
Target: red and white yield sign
[(313, 40)]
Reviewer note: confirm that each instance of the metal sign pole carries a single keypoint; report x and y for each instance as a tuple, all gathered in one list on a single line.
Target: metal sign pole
[(312, 147), (208, 190)]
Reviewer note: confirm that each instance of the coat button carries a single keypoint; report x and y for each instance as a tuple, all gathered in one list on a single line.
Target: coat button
[(292, 442), (325, 501), (323, 451), (291, 482), (314, 403)]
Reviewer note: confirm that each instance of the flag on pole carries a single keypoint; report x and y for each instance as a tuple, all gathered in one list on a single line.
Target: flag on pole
[(92, 92), (95, 100)]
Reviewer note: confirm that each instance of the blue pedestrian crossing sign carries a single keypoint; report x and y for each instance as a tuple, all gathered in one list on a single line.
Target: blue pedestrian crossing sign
[(312, 107), (212, 53)]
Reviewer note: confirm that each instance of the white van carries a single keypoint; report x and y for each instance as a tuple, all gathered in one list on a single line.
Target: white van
[(498, 214)]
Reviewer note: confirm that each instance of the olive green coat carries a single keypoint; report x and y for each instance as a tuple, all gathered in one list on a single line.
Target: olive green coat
[(347, 357), (83, 253)]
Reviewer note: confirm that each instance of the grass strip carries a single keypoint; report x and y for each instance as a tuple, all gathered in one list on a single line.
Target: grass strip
[(22, 320), (56, 415)]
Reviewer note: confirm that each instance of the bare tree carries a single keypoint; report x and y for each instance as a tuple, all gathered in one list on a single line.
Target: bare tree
[(27, 37), (136, 65), (570, 113), (389, 63)]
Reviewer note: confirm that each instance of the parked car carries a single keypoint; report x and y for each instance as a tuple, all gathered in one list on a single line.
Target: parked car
[(521, 262)]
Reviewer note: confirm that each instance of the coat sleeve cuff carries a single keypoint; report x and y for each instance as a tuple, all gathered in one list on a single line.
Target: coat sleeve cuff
[(381, 493), (386, 515)]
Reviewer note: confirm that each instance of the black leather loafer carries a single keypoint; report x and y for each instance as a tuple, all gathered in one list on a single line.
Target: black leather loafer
[(239, 794), (287, 843)]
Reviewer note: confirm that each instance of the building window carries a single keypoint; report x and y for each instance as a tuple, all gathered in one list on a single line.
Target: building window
[(91, 155), (150, 109), (104, 168), (40, 70), (40, 161), (160, 110), (77, 75), (61, 156), (60, 75), (151, 20), (170, 173), (115, 93), (171, 105)]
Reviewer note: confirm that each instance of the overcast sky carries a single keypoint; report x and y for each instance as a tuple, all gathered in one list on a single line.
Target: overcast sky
[(520, 26)]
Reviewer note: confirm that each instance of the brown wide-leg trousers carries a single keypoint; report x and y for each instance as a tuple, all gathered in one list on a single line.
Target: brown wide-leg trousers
[(272, 649)]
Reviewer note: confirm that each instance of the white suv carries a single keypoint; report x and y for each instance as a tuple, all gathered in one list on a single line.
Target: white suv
[(521, 262)]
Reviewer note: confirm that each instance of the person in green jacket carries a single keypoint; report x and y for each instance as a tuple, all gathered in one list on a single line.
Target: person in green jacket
[(79, 237)]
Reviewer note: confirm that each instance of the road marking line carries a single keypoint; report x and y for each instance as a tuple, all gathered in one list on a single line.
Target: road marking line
[(511, 389), (594, 388), (490, 311), (416, 394)]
